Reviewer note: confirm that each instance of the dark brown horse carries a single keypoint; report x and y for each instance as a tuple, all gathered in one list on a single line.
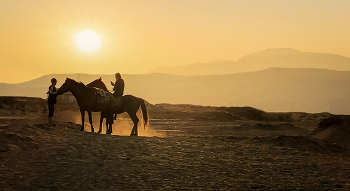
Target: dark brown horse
[(87, 98), (130, 104)]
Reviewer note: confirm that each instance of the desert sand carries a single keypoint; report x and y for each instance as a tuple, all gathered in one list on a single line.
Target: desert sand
[(184, 148)]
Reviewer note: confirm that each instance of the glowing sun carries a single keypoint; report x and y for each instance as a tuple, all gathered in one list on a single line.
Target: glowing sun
[(87, 41)]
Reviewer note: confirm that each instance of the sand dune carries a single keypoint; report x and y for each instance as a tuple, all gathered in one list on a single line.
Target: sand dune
[(61, 157), (173, 154)]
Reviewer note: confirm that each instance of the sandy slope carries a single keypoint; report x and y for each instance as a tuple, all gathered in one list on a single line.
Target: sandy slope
[(38, 156)]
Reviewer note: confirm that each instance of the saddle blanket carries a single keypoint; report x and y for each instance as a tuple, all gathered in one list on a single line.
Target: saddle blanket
[(102, 96)]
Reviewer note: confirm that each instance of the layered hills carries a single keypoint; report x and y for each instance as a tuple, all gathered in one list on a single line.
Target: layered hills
[(282, 57), (303, 87)]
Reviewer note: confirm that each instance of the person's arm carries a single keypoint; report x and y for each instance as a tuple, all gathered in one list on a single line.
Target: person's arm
[(112, 83), (122, 86), (115, 88)]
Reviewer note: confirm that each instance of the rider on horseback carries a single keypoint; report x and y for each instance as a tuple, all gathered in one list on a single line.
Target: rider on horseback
[(118, 89)]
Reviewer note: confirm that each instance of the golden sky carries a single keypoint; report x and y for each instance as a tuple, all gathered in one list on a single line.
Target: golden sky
[(37, 36)]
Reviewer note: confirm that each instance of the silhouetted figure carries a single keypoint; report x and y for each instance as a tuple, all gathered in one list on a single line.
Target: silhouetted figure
[(88, 100), (130, 104), (51, 101), (118, 88)]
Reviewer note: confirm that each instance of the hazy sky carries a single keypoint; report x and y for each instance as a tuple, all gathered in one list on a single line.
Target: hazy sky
[(37, 36)]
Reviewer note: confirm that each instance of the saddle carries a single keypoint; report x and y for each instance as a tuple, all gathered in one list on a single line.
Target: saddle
[(102, 96)]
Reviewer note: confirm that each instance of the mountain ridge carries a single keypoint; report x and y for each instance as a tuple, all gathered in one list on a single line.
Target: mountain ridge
[(282, 57), (274, 89)]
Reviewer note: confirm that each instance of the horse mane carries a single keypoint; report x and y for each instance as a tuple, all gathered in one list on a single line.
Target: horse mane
[(78, 83)]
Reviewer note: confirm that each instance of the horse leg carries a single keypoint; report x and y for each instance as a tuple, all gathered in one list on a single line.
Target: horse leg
[(101, 121), (109, 122), (90, 121), (110, 128), (107, 129), (82, 119), (135, 120)]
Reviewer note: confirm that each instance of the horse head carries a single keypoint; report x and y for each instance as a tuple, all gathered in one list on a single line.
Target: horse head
[(98, 84), (66, 87)]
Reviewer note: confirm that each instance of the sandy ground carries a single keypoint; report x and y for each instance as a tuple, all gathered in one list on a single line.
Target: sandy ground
[(169, 155)]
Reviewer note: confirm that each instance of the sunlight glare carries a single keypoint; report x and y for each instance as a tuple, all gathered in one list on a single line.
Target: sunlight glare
[(88, 41)]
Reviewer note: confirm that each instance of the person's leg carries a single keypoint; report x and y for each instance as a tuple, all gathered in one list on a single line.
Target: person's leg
[(51, 111)]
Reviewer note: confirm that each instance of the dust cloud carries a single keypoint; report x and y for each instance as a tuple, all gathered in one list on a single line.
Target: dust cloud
[(122, 126)]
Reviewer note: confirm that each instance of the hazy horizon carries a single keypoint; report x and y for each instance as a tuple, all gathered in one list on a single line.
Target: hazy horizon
[(39, 37), (204, 66)]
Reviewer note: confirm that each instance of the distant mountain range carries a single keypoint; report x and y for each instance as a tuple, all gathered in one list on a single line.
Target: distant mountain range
[(274, 89), (297, 81), (282, 58)]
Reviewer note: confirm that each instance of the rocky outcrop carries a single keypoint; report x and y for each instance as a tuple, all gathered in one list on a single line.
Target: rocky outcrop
[(335, 129)]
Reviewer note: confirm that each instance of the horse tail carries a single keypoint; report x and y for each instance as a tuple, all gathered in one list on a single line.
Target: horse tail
[(144, 113)]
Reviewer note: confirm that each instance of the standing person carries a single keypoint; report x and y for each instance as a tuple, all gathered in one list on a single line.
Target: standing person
[(51, 101)]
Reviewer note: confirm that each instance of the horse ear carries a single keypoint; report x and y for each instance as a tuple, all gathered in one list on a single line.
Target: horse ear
[(100, 78)]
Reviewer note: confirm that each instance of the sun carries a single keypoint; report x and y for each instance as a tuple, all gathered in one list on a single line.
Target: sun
[(88, 41)]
